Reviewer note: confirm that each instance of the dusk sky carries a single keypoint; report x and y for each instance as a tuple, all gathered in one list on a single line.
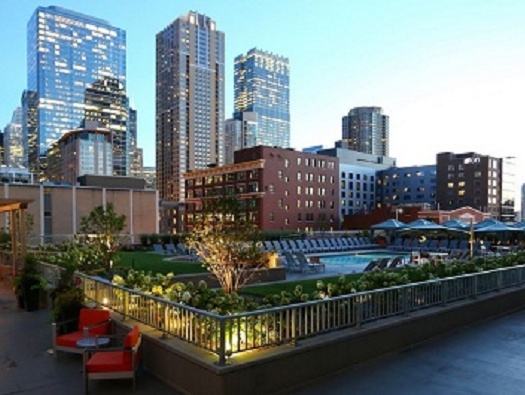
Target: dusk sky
[(450, 74)]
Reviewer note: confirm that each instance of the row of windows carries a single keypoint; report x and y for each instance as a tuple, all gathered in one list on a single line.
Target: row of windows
[(358, 176), (308, 217), (221, 191), (220, 178)]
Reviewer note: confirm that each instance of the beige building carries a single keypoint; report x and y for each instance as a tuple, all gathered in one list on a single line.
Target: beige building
[(58, 210)]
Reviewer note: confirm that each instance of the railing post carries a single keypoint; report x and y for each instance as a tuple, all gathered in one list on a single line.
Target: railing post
[(222, 342), (475, 286), (444, 292), (406, 305), (97, 300), (125, 306), (294, 328), (359, 312), (165, 326)]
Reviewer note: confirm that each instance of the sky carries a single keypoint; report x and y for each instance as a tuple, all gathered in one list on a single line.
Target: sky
[(449, 73)]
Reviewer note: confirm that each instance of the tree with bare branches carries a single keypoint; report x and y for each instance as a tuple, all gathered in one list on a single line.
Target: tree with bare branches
[(227, 242)]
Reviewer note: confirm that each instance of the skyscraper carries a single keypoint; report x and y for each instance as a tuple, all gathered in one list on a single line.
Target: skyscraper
[(366, 129), (67, 52), (240, 133), (106, 102), (30, 130), (262, 86), (190, 101), (15, 154)]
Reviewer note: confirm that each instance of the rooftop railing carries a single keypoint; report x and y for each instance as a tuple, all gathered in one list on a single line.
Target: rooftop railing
[(229, 335)]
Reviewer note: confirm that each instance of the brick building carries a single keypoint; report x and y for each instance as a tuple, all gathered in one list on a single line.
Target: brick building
[(283, 189), (469, 179)]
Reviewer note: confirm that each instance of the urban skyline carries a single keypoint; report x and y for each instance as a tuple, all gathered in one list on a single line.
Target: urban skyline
[(76, 63), (419, 62)]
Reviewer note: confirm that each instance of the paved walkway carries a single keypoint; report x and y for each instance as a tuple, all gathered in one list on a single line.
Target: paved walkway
[(26, 367), (486, 359)]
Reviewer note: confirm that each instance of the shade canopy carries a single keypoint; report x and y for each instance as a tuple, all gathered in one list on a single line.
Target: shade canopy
[(423, 224), (486, 222), (456, 224), (497, 227), (389, 224)]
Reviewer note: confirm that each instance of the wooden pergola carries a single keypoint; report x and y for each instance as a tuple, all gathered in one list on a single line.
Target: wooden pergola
[(16, 228)]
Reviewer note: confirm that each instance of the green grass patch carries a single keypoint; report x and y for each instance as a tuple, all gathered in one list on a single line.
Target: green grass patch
[(154, 263), (308, 285)]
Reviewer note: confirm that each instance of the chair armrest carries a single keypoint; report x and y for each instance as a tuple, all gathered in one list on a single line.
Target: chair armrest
[(87, 328), (63, 322)]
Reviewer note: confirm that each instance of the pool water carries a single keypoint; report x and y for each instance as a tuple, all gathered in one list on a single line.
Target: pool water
[(359, 260)]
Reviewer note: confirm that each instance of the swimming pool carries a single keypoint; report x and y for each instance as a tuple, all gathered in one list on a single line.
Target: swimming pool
[(359, 260)]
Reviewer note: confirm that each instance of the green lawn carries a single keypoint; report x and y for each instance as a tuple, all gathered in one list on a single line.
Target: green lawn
[(308, 285), (148, 261)]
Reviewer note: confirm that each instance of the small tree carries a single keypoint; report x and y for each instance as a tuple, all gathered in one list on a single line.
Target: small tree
[(102, 228), (227, 242)]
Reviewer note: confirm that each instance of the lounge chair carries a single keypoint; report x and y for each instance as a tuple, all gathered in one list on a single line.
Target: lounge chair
[(383, 263), (453, 245), (114, 363), (315, 245), (291, 264), (443, 246), (372, 265), (159, 249), (91, 323), (170, 249), (397, 244), (396, 262), (309, 266)]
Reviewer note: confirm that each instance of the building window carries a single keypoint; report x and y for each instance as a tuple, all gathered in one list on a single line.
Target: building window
[(272, 217), (286, 163), (271, 188)]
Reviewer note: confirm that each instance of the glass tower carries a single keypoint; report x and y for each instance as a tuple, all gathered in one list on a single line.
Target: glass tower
[(67, 52), (15, 154), (262, 86), (190, 101), (366, 129), (106, 102)]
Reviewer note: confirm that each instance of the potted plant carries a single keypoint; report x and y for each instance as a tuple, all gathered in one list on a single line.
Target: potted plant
[(66, 308), (67, 299), (29, 283)]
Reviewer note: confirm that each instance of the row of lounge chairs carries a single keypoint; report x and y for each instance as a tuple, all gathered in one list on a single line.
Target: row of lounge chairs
[(298, 262), (332, 244), (175, 250), (437, 245), (385, 263)]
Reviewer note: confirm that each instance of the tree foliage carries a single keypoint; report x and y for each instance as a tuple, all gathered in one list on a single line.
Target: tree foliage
[(102, 229), (227, 242)]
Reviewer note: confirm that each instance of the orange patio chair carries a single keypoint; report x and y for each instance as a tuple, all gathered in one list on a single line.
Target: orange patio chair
[(91, 323), (114, 363)]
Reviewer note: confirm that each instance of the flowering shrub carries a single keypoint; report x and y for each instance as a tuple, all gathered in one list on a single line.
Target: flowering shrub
[(217, 301), (198, 296)]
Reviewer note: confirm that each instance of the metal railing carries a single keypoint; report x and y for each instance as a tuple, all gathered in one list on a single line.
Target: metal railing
[(228, 335)]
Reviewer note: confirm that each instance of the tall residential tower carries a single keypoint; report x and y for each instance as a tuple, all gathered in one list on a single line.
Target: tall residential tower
[(190, 101), (68, 53), (365, 129), (262, 86)]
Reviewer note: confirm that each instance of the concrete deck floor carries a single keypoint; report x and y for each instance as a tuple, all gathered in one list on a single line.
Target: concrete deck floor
[(26, 367), (485, 359)]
